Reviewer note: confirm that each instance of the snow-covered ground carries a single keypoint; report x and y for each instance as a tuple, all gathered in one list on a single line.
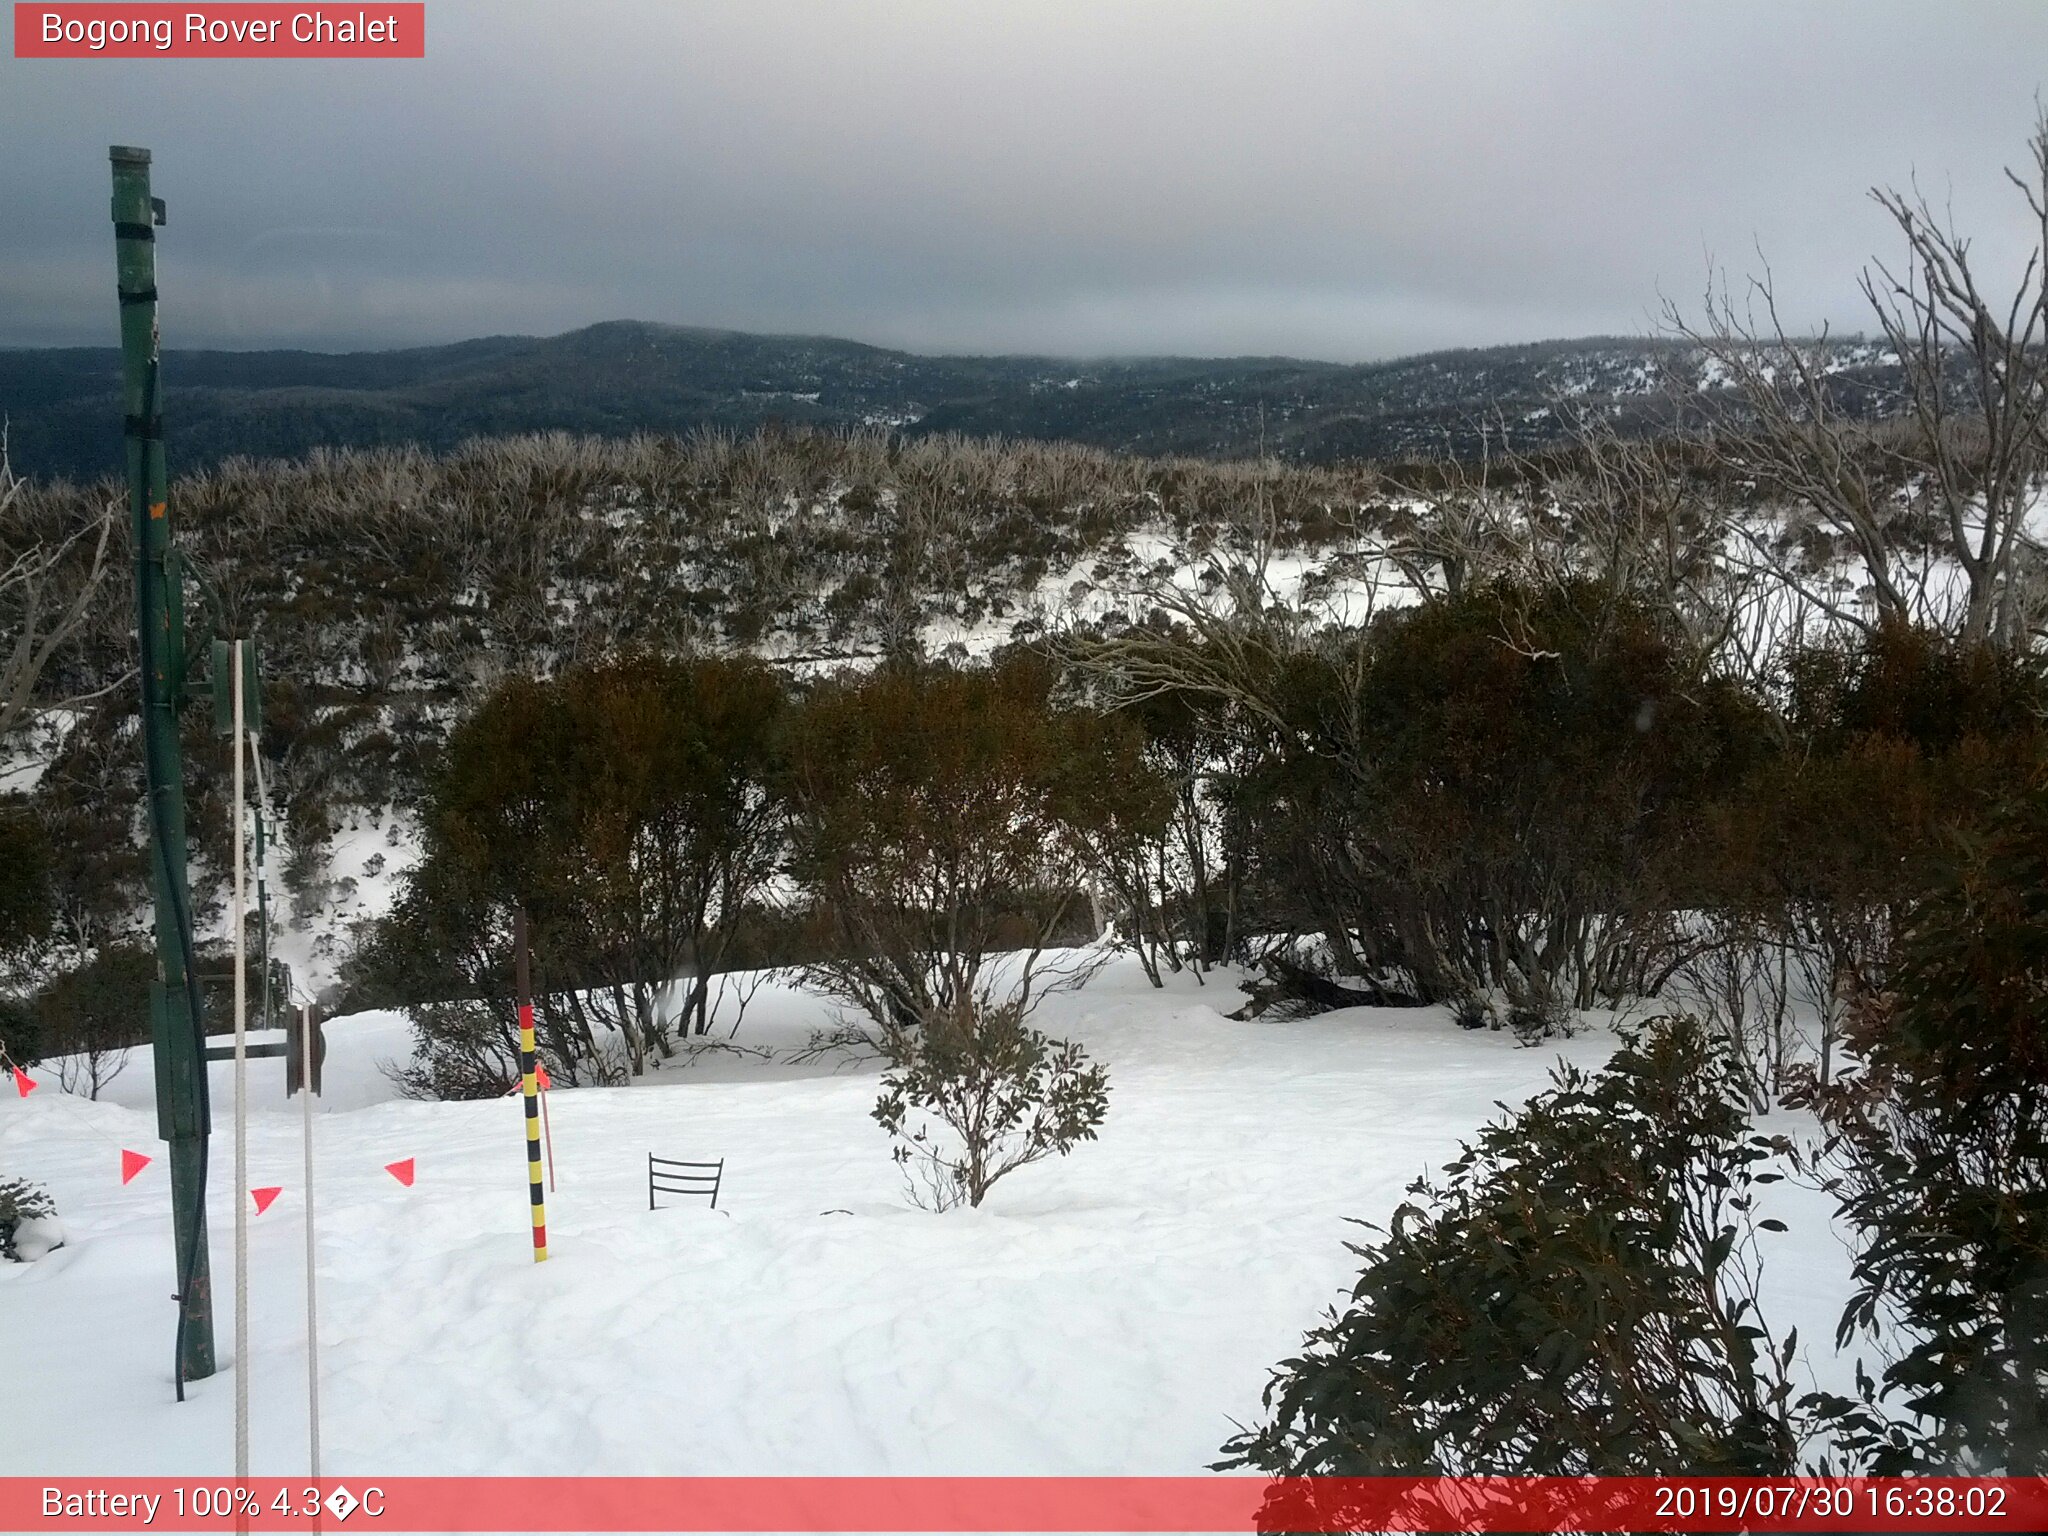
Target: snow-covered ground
[(1111, 1313)]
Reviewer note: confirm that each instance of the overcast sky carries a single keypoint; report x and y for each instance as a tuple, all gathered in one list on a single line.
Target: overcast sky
[(1346, 180)]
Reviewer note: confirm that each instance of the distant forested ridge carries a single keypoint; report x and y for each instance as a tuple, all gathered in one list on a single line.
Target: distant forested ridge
[(625, 377)]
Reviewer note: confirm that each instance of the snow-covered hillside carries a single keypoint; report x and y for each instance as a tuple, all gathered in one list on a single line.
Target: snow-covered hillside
[(1112, 1313)]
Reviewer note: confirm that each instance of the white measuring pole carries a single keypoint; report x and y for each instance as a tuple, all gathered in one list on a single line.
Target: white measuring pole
[(306, 1036), (241, 1103)]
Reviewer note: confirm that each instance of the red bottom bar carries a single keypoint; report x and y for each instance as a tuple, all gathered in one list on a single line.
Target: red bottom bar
[(1020, 1504)]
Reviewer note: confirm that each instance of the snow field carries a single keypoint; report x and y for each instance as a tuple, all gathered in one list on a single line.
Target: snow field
[(1110, 1313)]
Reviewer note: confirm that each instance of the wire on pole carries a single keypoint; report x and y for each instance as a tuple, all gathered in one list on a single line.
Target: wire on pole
[(548, 1136)]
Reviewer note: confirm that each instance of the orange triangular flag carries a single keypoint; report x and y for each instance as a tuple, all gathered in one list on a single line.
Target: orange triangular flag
[(23, 1083), (132, 1163), (540, 1077), (263, 1197), (401, 1171)]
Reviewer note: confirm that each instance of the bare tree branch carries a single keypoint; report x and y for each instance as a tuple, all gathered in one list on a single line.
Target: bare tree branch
[(1974, 396), (43, 604)]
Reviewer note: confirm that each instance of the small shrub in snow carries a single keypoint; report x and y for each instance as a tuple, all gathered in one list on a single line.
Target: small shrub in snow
[(977, 1094), (21, 1203), (1474, 1012), (1535, 1020), (461, 1050)]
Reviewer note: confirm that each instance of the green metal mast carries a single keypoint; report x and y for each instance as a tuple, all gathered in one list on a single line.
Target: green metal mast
[(183, 1116)]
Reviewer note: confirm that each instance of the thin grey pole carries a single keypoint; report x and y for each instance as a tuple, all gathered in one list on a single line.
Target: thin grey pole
[(241, 1098), (306, 1034)]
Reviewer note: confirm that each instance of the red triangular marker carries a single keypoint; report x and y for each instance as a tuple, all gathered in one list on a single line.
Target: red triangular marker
[(263, 1197), (401, 1171), (23, 1083), (540, 1077), (132, 1163)]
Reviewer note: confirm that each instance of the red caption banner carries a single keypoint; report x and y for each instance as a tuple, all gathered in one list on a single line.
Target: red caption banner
[(1018, 1504), (240, 31)]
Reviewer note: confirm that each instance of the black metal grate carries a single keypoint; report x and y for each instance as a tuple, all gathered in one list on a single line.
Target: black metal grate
[(667, 1176)]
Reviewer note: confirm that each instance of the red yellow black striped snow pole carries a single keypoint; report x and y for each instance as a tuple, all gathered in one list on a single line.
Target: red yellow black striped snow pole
[(529, 1087)]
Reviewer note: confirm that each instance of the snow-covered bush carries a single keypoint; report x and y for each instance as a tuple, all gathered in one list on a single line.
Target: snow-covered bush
[(977, 1094), (27, 1220)]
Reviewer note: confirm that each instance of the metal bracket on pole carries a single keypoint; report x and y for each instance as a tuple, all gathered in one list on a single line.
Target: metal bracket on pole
[(305, 1052)]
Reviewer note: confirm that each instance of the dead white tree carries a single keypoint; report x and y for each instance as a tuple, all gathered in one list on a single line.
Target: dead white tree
[(1960, 476), (1227, 635), (48, 587), (1983, 426), (1634, 516), (1460, 524)]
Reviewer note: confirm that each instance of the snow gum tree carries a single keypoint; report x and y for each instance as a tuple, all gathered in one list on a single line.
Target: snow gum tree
[(626, 806), (942, 824), (51, 570), (1962, 473)]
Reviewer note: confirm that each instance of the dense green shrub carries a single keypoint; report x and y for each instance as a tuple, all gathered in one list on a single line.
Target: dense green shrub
[(1890, 743), (1486, 793), (1912, 684), (1578, 1296), (1888, 753), (21, 1032), (25, 893), (1940, 1153)]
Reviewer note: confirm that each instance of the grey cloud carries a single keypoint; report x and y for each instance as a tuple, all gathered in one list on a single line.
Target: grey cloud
[(1345, 180)]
